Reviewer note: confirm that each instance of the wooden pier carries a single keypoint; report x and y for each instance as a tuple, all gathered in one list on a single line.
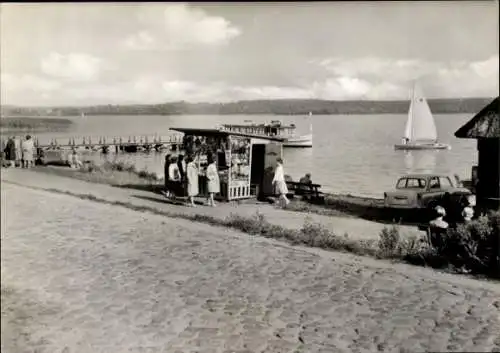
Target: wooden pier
[(126, 144)]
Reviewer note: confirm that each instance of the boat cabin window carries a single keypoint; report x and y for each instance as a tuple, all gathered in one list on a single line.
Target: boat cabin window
[(274, 131), (411, 183)]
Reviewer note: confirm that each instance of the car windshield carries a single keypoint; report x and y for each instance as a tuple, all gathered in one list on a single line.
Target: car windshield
[(411, 183)]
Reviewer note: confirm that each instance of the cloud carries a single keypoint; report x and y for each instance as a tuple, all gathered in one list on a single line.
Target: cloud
[(181, 27), (186, 25), (488, 68), (340, 79), (389, 78), (15, 88), (140, 41), (73, 66)]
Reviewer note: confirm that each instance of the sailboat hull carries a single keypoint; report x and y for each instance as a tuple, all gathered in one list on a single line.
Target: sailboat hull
[(422, 146)]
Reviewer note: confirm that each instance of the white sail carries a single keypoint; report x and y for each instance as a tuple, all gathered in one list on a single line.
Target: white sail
[(409, 121), (420, 125)]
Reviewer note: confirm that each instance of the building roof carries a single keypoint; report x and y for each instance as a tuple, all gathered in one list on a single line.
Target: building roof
[(485, 124), (217, 132)]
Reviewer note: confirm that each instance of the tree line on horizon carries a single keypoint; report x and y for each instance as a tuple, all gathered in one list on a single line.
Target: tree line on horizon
[(270, 107)]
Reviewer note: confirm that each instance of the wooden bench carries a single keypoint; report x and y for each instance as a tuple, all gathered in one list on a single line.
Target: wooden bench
[(308, 190)]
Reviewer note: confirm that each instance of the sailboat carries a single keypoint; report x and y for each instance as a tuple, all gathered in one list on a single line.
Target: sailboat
[(420, 131)]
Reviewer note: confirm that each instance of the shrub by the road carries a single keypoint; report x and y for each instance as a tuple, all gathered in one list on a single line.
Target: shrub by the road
[(473, 247)]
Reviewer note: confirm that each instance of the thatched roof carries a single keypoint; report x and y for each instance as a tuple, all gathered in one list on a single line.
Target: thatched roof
[(485, 124)]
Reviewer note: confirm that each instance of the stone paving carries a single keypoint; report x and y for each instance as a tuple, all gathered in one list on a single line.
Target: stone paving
[(79, 276)]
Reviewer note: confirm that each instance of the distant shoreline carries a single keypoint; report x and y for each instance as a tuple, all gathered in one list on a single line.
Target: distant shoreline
[(34, 124), (280, 107)]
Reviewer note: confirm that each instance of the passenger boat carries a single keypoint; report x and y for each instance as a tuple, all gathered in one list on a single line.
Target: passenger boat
[(274, 128), (420, 131)]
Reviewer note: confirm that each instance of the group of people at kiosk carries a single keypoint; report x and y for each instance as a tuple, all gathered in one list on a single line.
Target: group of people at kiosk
[(19, 151), (182, 178)]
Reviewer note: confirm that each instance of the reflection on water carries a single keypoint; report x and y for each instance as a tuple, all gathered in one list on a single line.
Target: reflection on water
[(298, 162), (351, 154), (423, 161)]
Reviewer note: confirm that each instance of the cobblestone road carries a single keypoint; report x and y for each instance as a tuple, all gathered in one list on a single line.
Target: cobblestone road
[(79, 276)]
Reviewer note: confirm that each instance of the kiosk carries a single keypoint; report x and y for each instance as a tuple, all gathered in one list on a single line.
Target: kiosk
[(245, 162)]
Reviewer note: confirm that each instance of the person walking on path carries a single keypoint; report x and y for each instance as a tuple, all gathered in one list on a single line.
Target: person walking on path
[(19, 151), (192, 180), (280, 184), (10, 151), (213, 183), (28, 148)]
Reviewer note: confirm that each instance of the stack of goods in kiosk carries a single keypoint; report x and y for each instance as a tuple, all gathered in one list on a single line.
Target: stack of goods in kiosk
[(240, 158), (201, 146)]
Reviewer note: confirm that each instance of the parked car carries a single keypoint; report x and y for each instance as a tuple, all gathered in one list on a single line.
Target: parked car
[(424, 191)]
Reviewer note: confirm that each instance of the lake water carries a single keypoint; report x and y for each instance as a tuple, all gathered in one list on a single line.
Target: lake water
[(351, 154)]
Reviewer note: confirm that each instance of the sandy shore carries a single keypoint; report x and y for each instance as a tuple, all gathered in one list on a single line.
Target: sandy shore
[(78, 276), (356, 228)]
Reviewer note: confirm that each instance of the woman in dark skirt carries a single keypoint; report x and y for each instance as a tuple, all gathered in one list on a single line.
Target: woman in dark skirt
[(10, 152)]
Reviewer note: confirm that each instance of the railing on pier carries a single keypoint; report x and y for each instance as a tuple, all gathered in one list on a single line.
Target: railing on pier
[(103, 141)]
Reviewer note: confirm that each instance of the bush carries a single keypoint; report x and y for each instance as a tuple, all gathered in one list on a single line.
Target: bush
[(392, 245), (389, 242), (317, 235), (254, 225), (473, 247)]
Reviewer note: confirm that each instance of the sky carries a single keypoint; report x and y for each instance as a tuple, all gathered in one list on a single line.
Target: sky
[(143, 53)]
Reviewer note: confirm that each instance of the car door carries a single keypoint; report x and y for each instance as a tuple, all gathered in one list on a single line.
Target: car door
[(433, 191)]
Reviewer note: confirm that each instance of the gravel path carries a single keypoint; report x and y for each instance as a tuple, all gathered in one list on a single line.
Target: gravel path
[(78, 276), (356, 228)]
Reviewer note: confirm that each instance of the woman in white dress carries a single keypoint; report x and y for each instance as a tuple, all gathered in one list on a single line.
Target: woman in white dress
[(280, 184), (28, 148), (213, 183), (192, 180)]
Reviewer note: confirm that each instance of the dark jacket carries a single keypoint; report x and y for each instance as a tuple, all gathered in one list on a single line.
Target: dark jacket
[(10, 150), (181, 170)]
